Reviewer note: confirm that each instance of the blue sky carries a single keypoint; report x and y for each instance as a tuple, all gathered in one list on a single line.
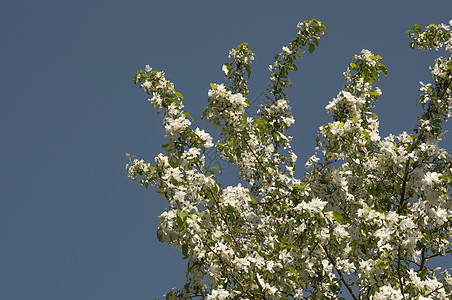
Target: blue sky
[(72, 225)]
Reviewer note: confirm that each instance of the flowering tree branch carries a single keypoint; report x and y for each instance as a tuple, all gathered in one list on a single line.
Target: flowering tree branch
[(368, 216)]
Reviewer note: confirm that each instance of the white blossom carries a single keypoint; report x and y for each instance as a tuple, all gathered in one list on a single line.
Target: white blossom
[(368, 216)]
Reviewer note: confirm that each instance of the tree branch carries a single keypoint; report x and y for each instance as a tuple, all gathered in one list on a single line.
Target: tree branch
[(341, 275)]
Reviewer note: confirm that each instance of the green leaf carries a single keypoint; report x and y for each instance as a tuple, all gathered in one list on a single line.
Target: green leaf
[(253, 200), (160, 235), (448, 178), (231, 209), (364, 229), (256, 291), (127, 154), (383, 69), (218, 188), (214, 86), (182, 220), (179, 95), (183, 215), (248, 70), (366, 134), (216, 168), (231, 143), (227, 238), (329, 163), (417, 28), (299, 187), (337, 216), (353, 65), (174, 162), (311, 47), (187, 114), (260, 122), (185, 251), (135, 77)]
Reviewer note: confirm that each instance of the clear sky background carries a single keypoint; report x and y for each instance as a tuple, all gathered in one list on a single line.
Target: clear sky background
[(72, 225)]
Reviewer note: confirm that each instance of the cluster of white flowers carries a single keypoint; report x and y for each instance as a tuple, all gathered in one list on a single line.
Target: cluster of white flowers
[(218, 294), (224, 107), (367, 218), (345, 101), (367, 57), (235, 72), (278, 111), (140, 168), (240, 56), (205, 137), (433, 37), (387, 292), (311, 29)]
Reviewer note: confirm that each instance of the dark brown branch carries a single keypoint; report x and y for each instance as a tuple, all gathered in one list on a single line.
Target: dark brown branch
[(402, 193), (341, 275)]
